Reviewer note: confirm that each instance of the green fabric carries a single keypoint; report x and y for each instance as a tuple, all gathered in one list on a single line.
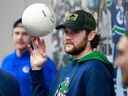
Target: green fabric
[(94, 55), (118, 29)]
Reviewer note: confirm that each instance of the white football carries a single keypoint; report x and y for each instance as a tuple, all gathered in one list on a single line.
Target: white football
[(39, 19)]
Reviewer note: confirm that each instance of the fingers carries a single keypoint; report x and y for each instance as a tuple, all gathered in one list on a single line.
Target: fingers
[(42, 46), (39, 45)]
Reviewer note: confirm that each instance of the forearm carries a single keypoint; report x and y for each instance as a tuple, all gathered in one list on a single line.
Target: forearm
[(39, 87)]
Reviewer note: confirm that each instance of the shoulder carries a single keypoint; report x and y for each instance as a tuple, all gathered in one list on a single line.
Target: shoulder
[(8, 60), (98, 75), (96, 67), (9, 57)]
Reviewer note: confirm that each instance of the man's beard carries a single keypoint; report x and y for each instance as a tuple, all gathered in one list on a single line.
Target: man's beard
[(76, 50)]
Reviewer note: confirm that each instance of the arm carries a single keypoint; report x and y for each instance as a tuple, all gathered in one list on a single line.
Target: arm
[(38, 86), (7, 65), (43, 71), (44, 80), (4, 64)]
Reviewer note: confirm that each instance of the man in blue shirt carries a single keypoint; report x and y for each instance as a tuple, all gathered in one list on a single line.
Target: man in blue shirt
[(90, 73), (18, 62)]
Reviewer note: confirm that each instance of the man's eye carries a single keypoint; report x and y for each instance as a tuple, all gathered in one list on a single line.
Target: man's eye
[(17, 33), (69, 32)]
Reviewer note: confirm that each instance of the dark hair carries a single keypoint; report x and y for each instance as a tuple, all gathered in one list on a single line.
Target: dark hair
[(17, 22), (95, 41)]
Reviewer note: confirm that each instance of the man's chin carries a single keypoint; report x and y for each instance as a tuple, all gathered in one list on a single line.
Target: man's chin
[(21, 47), (74, 51)]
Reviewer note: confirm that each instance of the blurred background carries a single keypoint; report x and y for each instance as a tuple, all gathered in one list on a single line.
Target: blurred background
[(111, 17)]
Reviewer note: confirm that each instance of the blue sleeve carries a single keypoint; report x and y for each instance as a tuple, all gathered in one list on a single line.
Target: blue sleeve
[(39, 87), (99, 83), (44, 81)]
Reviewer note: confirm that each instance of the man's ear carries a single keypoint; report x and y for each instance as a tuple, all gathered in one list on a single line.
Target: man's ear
[(91, 35)]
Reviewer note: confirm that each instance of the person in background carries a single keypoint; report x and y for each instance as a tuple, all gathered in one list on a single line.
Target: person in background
[(18, 62), (122, 65)]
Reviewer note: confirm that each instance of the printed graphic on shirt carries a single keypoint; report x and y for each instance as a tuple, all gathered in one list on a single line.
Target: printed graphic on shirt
[(63, 87), (25, 69)]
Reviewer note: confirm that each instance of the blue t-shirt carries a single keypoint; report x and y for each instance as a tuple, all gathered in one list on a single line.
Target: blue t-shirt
[(20, 68)]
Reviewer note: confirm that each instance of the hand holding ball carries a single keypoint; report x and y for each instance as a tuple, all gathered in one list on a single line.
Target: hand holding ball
[(39, 19)]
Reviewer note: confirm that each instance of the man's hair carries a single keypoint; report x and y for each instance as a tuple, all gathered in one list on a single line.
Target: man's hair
[(95, 41), (18, 21)]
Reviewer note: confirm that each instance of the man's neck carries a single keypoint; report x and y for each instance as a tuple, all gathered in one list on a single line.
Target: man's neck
[(19, 52), (83, 53)]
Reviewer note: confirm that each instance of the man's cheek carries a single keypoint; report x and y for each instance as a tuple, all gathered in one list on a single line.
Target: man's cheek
[(125, 76), (120, 61)]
